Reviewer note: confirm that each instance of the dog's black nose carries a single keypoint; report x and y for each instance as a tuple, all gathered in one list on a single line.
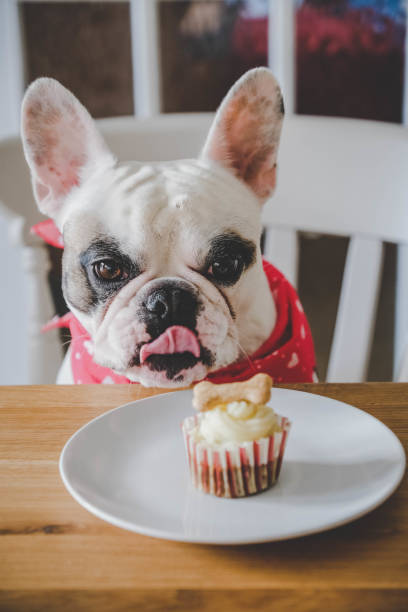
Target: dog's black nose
[(159, 302), (169, 305)]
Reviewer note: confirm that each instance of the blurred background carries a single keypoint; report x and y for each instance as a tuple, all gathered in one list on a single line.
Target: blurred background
[(335, 58)]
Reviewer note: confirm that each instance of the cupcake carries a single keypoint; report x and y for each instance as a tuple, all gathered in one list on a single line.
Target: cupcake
[(235, 443)]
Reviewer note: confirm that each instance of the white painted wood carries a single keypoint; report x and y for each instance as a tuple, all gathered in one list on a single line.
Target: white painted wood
[(145, 57), (13, 309), (40, 354), (11, 68), (355, 320), (13, 331), (401, 316), (281, 50), (16, 197), (65, 376), (342, 176), (400, 370), (281, 248), (44, 350), (26, 356), (345, 177), (165, 137)]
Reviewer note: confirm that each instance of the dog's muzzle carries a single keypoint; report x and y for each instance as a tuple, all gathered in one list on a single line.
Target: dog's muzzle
[(169, 311)]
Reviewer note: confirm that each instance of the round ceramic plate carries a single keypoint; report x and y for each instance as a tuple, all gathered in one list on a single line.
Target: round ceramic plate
[(128, 467)]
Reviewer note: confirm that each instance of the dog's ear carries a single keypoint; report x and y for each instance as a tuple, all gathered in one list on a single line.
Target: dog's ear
[(244, 136), (61, 143)]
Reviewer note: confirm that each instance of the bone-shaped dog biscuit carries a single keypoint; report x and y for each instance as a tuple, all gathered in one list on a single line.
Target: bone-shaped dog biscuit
[(256, 390)]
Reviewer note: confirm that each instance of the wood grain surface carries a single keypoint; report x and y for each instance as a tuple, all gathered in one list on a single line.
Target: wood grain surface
[(54, 555)]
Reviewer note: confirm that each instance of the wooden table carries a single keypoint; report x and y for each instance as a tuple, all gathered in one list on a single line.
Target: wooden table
[(54, 555)]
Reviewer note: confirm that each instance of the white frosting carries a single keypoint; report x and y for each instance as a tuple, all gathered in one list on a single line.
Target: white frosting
[(236, 422)]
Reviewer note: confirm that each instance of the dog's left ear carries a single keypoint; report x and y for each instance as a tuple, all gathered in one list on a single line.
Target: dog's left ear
[(244, 136)]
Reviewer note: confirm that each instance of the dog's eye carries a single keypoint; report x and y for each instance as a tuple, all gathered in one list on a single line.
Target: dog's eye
[(226, 269), (109, 270)]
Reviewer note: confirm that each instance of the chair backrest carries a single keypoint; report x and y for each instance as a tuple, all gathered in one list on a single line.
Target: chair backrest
[(26, 355), (336, 176), (346, 177)]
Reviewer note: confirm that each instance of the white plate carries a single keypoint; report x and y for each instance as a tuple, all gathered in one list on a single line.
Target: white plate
[(128, 467)]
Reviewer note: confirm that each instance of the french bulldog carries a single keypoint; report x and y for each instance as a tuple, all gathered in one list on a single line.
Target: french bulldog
[(162, 263)]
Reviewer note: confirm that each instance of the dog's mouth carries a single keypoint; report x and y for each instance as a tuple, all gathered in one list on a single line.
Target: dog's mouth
[(176, 349), (175, 339)]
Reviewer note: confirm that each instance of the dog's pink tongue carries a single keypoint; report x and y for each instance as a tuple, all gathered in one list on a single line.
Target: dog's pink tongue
[(176, 339)]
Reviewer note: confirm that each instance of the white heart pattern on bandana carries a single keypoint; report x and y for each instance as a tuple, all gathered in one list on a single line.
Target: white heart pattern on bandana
[(89, 347), (294, 360)]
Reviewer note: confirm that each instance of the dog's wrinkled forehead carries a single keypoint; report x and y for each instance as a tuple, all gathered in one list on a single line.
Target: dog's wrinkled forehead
[(181, 203)]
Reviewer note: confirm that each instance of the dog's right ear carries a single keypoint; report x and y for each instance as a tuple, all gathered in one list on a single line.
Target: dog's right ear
[(61, 143)]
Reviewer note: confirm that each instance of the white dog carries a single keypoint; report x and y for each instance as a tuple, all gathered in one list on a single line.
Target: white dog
[(162, 268)]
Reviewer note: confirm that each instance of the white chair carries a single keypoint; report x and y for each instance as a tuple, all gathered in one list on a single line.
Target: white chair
[(27, 356), (336, 176), (346, 177)]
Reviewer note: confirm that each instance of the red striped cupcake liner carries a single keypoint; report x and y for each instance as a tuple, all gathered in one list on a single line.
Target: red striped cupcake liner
[(235, 469)]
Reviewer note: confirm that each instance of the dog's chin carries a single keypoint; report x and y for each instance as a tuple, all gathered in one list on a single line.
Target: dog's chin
[(165, 372), (171, 369)]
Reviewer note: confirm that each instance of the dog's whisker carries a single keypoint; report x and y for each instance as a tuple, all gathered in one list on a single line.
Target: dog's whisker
[(76, 338), (247, 357)]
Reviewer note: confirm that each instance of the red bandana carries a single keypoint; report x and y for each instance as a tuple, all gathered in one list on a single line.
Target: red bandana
[(287, 355)]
